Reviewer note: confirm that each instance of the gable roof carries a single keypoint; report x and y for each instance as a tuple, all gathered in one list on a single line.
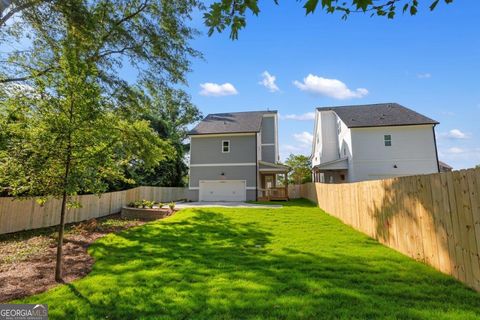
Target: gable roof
[(232, 122), (378, 115)]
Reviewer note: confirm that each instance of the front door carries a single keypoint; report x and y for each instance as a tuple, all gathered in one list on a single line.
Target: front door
[(268, 181)]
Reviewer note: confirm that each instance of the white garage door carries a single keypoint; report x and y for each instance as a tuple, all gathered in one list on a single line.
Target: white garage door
[(223, 190)]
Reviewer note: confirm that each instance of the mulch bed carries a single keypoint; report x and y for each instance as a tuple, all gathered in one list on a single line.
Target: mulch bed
[(27, 259)]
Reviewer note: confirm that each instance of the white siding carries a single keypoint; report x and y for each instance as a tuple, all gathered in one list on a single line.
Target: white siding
[(412, 151), (326, 146)]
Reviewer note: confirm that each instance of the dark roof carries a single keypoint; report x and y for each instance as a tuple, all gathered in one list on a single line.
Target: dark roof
[(232, 122), (444, 165), (378, 115)]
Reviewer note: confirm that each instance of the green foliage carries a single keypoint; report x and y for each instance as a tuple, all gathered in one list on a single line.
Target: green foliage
[(301, 169), (73, 58), (142, 204), (169, 112), (295, 262), (76, 127), (223, 14), (152, 36), (171, 205)]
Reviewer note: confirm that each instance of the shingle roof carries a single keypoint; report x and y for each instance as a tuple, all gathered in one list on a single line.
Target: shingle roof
[(378, 115), (232, 122), (443, 164)]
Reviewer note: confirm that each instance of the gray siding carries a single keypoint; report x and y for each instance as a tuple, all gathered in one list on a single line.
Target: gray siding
[(230, 173), (268, 130), (268, 154), (209, 150)]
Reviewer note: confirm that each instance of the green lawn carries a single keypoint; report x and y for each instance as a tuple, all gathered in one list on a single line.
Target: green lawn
[(291, 263)]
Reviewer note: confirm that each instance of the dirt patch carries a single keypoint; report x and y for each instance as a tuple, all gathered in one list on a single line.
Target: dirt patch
[(27, 259)]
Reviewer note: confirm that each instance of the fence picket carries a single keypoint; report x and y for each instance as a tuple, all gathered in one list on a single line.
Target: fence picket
[(17, 215), (433, 218)]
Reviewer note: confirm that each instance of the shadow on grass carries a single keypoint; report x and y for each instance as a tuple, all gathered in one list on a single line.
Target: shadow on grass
[(203, 264)]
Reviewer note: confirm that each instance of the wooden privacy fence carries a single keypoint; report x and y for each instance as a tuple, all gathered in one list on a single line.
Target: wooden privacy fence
[(432, 218), (17, 215)]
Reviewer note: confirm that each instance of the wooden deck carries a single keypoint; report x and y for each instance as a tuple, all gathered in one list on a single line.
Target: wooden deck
[(273, 194)]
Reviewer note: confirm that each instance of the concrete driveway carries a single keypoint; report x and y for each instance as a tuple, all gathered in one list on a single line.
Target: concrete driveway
[(225, 205)]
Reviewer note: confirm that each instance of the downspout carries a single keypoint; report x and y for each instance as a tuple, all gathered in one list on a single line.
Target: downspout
[(436, 150), (256, 167)]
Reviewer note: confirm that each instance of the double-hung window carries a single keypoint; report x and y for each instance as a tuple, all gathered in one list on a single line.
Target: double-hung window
[(225, 146), (387, 139)]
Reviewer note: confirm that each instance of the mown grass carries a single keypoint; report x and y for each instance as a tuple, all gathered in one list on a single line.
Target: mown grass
[(225, 263)]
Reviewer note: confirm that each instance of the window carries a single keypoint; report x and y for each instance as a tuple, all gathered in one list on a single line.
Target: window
[(225, 146), (388, 140)]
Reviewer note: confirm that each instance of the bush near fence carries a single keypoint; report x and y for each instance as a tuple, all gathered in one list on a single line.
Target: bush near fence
[(18, 215), (432, 218)]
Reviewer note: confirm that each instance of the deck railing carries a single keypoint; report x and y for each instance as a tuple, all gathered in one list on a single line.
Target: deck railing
[(277, 193)]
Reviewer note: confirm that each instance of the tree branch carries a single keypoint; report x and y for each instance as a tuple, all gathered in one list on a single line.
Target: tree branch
[(17, 9), (142, 7), (25, 78)]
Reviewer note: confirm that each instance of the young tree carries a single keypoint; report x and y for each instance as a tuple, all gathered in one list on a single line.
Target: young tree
[(75, 130), (301, 169), (69, 140)]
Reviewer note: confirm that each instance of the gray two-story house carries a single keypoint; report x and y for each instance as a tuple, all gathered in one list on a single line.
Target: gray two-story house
[(234, 157)]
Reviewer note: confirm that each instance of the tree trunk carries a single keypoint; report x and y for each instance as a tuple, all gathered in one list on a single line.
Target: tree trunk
[(61, 227), (63, 211)]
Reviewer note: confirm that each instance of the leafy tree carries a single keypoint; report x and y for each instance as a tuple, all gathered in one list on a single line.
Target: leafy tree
[(70, 140), (223, 14), (151, 36), (231, 14), (75, 130), (301, 169), (169, 112)]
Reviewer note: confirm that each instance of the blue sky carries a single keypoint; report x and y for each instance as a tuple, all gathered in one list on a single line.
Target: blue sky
[(429, 62)]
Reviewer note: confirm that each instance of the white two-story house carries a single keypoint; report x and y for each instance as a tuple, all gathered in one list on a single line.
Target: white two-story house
[(234, 157), (369, 142)]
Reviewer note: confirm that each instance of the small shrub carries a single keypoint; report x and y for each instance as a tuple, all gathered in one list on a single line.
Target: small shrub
[(171, 205), (148, 204), (161, 205), (143, 204)]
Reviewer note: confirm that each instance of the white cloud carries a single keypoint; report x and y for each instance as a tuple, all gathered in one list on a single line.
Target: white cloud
[(217, 90), (460, 157), (455, 150), (305, 138), (288, 149), (455, 134), (301, 117), (303, 145), (332, 88), (268, 81), (425, 75), (448, 113)]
